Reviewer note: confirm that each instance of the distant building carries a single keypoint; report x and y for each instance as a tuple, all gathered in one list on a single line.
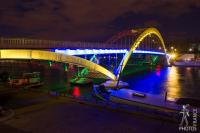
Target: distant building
[(195, 49)]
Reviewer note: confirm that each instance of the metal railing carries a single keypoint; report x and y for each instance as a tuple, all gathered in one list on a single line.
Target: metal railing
[(24, 43)]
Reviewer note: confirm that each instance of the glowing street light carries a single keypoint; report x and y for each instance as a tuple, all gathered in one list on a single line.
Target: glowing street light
[(190, 49), (172, 55)]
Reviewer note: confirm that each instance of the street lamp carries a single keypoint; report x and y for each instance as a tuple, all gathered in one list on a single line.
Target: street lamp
[(172, 55), (190, 49)]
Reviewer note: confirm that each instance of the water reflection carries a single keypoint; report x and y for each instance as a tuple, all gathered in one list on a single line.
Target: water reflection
[(149, 82), (158, 69), (177, 81), (172, 83), (76, 91)]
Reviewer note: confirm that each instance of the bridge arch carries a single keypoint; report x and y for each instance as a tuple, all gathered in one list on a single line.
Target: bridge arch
[(46, 55), (136, 43)]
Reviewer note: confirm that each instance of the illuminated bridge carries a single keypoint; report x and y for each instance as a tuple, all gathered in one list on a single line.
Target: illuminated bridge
[(119, 47)]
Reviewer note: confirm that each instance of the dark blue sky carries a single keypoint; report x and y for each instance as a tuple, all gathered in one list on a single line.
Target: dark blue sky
[(97, 20)]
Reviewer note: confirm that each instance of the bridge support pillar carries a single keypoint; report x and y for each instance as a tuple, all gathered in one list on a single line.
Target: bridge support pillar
[(116, 60), (109, 68)]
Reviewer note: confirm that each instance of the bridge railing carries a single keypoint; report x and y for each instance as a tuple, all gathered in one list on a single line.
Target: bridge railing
[(24, 43)]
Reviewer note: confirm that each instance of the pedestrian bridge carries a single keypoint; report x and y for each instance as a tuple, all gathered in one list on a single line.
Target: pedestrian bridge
[(67, 58), (46, 55)]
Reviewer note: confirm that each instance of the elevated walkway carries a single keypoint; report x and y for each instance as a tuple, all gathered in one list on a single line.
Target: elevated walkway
[(46, 55)]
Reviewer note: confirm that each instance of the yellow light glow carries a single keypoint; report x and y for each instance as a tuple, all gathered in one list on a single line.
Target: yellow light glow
[(172, 55), (173, 84), (51, 56), (137, 42)]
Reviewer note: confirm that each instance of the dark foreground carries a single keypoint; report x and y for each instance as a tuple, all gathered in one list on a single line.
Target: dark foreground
[(65, 115)]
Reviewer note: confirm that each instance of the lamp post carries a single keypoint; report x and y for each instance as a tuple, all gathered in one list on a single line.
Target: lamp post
[(190, 49)]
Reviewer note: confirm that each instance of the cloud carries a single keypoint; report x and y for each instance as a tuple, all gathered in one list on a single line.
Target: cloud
[(82, 19), (152, 23)]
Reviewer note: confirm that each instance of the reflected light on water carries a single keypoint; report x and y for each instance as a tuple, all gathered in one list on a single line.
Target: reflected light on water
[(158, 70), (172, 99), (178, 82), (173, 85), (188, 68), (76, 91)]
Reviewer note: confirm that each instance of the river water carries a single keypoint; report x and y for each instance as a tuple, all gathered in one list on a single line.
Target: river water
[(179, 82)]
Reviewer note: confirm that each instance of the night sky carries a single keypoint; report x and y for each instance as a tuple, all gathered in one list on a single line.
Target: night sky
[(97, 20)]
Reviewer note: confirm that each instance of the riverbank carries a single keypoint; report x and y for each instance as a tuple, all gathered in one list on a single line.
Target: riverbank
[(65, 114)]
